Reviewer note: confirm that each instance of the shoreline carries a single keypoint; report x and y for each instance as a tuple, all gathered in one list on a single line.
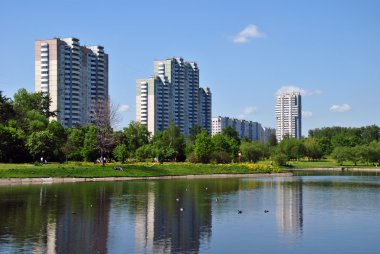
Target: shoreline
[(53, 180), (343, 169)]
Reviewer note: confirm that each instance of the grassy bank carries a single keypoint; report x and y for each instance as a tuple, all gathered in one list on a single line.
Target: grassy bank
[(76, 169), (325, 163)]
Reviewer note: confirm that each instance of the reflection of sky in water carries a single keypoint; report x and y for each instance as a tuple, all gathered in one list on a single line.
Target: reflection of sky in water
[(311, 214)]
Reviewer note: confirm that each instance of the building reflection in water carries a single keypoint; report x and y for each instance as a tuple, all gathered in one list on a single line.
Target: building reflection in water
[(289, 212), (164, 227)]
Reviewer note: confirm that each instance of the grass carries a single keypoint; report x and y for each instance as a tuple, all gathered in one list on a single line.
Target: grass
[(325, 163), (77, 169)]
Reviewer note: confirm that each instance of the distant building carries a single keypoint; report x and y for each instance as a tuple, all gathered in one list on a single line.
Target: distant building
[(173, 94), (248, 129), (288, 115), (74, 76), (205, 106), (266, 133)]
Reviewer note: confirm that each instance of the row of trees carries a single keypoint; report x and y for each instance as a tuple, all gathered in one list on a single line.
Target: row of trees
[(26, 134)]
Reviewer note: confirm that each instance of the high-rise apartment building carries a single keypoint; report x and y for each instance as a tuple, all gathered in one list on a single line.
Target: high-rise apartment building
[(205, 102), (245, 129), (288, 115), (74, 76), (173, 95)]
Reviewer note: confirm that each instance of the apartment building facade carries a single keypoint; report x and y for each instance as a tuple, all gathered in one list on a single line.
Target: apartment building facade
[(245, 129), (74, 76), (288, 115), (173, 94)]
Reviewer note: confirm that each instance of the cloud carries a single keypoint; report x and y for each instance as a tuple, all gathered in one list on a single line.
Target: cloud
[(340, 108), (290, 89), (251, 31), (249, 110), (123, 108), (307, 114), (294, 89)]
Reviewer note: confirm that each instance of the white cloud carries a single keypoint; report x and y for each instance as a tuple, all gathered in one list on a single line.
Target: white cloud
[(307, 114), (340, 108), (249, 110), (290, 89), (123, 108), (251, 31), (295, 89)]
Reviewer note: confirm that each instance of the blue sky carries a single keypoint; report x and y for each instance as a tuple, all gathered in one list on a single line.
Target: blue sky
[(246, 51)]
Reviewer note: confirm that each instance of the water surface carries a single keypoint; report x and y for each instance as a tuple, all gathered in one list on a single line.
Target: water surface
[(306, 214)]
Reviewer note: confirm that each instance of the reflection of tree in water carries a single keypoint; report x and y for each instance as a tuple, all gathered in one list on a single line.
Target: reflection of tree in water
[(74, 217), (289, 207), (55, 218)]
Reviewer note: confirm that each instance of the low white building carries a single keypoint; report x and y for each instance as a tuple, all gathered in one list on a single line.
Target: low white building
[(249, 129)]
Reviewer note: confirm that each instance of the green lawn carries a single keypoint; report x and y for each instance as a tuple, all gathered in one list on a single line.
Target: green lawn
[(325, 163), (76, 169)]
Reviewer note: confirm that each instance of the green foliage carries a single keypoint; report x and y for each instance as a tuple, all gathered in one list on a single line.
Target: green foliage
[(169, 145), (74, 145), (251, 151), (144, 152), (41, 144), (232, 133), (220, 157), (224, 143), (12, 145), (120, 153), (331, 137), (291, 147), (194, 132), (90, 150), (280, 159), (340, 154), (272, 140), (203, 147), (6, 109), (134, 136), (312, 149)]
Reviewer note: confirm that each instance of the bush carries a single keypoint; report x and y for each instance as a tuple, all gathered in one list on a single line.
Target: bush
[(280, 159), (120, 153), (220, 157), (192, 158)]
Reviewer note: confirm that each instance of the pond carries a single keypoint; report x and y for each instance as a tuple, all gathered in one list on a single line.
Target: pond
[(300, 214)]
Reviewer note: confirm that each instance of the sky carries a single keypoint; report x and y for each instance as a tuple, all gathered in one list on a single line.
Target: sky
[(247, 51)]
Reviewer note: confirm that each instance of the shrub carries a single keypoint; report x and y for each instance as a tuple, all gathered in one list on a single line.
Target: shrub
[(192, 158), (220, 157)]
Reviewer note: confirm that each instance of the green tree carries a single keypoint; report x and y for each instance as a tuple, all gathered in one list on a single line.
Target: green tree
[(90, 149), (374, 152), (60, 137), (74, 144), (293, 148), (169, 145), (135, 136), (312, 149), (6, 109), (340, 154), (203, 147), (41, 144), (194, 132), (251, 151), (272, 140), (12, 145), (232, 133), (120, 153), (224, 143)]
